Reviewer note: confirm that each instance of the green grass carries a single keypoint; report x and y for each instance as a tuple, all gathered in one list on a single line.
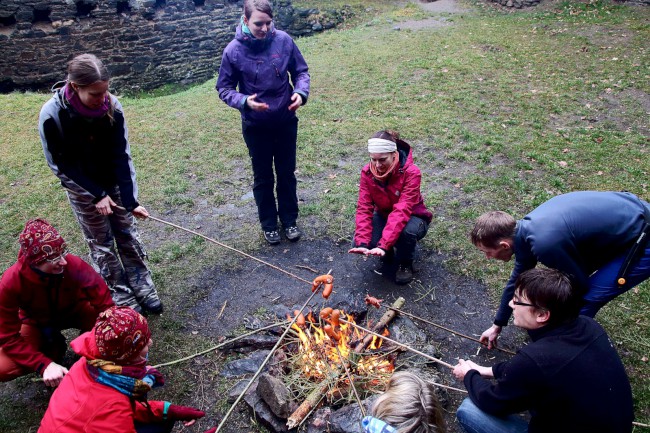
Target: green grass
[(505, 110)]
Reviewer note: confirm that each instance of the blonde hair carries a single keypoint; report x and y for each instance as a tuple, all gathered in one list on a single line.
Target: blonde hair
[(410, 405)]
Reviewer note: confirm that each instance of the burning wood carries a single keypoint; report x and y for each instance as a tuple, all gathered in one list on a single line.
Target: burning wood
[(325, 353)]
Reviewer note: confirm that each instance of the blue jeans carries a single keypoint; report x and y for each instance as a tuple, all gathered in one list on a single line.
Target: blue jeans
[(603, 286), (474, 420), (414, 230), (270, 147)]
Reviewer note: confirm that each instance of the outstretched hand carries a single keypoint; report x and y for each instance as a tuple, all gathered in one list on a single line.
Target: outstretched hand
[(490, 336), (256, 105), (104, 206), (183, 413), (296, 102)]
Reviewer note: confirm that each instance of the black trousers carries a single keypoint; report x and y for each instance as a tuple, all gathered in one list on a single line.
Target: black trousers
[(274, 146), (416, 228)]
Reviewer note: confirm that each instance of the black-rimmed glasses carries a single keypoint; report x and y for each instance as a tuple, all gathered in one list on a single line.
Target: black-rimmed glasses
[(516, 301)]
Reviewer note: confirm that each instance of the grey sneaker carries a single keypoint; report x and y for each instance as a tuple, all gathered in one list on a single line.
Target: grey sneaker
[(404, 274), (293, 233), (272, 237)]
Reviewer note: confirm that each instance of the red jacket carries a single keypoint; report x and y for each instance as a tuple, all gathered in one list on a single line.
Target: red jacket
[(28, 297), (395, 200), (82, 405)]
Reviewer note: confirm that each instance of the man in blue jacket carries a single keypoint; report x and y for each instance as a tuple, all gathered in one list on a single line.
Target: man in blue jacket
[(596, 238), (569, 378)]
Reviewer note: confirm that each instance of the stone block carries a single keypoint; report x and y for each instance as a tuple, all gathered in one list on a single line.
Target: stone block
[(275, 394)]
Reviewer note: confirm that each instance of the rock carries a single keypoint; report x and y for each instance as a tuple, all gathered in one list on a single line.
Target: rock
[(275, 394), (262, 412), (244, 366), (237, 389), (319, 421), (251, 343), (247, 196), (348, 418)]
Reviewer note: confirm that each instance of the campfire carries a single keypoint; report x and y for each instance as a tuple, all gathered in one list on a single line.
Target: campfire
[(331, 359), (319, 354)]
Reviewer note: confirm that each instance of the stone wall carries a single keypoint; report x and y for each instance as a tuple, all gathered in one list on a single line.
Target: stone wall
[(144, 43)]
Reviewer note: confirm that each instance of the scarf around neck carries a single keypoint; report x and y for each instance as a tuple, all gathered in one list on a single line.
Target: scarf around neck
[(133, 381), (383, 177), (94, 113)]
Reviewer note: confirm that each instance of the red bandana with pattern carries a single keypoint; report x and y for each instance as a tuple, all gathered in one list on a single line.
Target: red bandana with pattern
[(39, 241), (121, 333)]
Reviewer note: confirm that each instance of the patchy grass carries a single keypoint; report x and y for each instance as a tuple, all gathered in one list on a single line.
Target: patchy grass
[(504, 110)]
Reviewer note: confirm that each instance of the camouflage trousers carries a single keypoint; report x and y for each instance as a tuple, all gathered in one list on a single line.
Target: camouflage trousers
[(116, 252)]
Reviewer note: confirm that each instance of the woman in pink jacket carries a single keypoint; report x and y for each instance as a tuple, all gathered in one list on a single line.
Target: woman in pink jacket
[(106, 390), (391, 215)]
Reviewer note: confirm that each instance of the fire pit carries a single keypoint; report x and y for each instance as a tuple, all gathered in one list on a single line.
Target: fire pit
[(325, 368)]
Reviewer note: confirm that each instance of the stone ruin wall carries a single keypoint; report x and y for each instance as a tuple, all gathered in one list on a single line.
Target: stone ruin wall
[(144, 43)]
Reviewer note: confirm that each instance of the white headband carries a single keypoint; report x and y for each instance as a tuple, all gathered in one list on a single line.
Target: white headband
[(379, 145)]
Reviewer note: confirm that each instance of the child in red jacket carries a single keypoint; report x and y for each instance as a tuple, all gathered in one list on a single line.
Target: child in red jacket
[(106, 390)]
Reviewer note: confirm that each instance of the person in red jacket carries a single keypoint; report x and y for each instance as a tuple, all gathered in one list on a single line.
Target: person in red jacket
[(106, 390), (391, 214), (45, 291)]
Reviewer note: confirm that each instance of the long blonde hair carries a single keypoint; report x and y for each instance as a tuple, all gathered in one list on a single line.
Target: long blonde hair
[(410, 405)]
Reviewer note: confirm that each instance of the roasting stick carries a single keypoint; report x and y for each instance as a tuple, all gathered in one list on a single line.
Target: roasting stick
[(259, 370), (439, 361), (413, 316), (344, 363), (220, 345), (225, 246)]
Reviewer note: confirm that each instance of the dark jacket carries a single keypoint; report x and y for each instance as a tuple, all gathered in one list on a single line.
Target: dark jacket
[(576, 233), (396, 200), (570, 378), (89, 156), (45, 301), (263, 67)]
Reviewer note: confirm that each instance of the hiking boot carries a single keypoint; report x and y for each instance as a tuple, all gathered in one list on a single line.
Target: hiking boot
[(293, 233), (404, 274), (153, 306), (272, 237)]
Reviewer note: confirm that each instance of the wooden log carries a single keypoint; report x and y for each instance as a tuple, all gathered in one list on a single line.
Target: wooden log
[(383, 322), (310, 402)]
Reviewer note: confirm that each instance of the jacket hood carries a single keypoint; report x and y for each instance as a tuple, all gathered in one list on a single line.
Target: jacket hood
[(255, 44), (85, 345), (405, 154)]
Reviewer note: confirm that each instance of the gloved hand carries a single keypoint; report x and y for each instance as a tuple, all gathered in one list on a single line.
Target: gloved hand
[(156, 378), (183, 413)]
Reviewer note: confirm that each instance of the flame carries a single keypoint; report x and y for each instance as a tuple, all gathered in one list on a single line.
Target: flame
[(320, 354)]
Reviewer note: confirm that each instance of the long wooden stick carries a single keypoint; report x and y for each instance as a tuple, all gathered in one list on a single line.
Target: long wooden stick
[(218, 346), (229, 248), (439, 361), (413, 316)]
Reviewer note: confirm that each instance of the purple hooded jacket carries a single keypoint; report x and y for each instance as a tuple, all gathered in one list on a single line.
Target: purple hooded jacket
[(250, 66)]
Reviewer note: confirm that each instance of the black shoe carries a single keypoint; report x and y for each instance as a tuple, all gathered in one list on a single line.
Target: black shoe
[(293, 233), (404, 274), (153, 306), (272, 237)]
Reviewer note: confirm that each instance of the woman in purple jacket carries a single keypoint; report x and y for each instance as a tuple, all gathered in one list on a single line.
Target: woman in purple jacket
[(264, 76)]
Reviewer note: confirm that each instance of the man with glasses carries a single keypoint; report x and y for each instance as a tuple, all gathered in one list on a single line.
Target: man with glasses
[(569, 377), (599, 239), (45, 291)]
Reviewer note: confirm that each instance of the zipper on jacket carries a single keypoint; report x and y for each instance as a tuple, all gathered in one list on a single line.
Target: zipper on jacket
[(257, 69)]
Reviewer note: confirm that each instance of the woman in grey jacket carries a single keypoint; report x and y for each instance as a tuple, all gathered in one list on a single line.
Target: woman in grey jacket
[(257, 71), (85, 141)]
